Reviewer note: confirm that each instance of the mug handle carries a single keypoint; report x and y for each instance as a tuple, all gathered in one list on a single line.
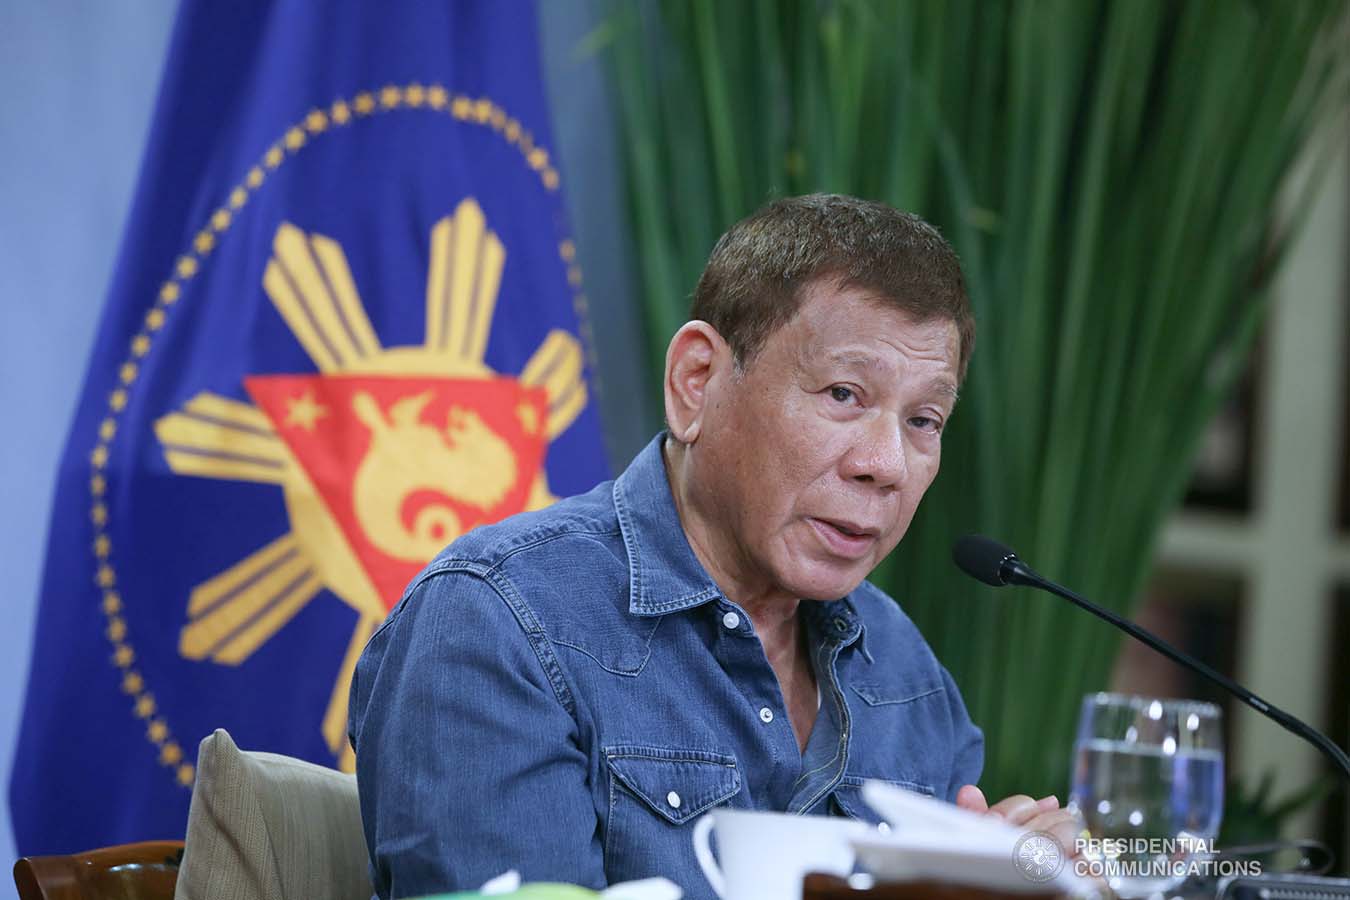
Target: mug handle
[(703, 852)]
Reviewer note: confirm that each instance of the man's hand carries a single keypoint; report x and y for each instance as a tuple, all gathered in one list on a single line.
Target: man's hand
[(1024, 812)]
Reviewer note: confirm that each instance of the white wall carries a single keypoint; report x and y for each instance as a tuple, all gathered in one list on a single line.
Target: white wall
[(77, 84)]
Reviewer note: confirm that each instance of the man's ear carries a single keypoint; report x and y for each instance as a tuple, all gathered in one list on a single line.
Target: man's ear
[(696, 354)]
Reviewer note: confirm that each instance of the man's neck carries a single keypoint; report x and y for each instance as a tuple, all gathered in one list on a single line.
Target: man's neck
[(772, 613), (718, 550)]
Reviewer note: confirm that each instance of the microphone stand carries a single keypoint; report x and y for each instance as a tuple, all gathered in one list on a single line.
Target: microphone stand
[(1014, 571)]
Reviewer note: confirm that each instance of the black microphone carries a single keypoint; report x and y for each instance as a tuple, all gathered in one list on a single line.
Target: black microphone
[(996, 564)]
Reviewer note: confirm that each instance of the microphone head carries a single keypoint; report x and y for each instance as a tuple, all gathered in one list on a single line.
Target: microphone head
[(983, 558)]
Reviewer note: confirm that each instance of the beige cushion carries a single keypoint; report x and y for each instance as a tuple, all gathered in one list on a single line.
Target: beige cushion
[(268, 827)]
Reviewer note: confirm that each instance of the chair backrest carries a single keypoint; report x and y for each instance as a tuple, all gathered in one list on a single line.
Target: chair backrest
[(146, 871), (268, 827)]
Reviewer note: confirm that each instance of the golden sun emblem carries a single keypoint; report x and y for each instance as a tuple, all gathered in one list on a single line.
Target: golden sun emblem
[(383, 457)]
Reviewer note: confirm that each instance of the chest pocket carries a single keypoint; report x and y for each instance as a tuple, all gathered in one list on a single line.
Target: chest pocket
[(653, 791), (903, 735)]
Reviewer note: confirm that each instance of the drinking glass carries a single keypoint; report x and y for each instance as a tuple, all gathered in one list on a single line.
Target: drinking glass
[(1148, 783)]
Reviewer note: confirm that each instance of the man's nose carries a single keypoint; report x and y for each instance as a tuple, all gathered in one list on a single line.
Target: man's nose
[(879, 455)]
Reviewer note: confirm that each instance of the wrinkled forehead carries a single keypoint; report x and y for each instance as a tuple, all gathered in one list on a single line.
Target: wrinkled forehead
[(854, 329), (831, 314)]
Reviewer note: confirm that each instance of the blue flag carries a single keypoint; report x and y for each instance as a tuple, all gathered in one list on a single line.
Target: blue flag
[(346, 326)]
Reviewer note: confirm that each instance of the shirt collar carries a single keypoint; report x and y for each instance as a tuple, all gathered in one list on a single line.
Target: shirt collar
[(835, 622), (664, 574)]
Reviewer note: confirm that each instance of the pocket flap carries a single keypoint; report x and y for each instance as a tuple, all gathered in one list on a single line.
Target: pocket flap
[(885, 695), (677, 784)]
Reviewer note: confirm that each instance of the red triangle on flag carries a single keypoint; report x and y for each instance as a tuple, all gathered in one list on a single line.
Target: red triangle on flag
[(407, 464)]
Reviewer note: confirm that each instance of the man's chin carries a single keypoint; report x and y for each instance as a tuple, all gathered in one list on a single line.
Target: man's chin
[(828, 585)]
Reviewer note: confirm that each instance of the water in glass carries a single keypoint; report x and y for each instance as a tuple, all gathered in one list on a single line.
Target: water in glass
[(1148, 783)]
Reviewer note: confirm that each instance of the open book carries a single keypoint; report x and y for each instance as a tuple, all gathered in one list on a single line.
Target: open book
[(934, 841)]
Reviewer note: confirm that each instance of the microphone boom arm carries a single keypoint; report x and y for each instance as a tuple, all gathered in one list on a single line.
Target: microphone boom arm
[(1017, 572)]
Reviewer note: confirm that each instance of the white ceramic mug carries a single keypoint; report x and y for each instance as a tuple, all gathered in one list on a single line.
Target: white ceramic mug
[(765, 855)]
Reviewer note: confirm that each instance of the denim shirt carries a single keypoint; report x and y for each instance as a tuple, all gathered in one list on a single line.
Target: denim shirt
[(567, 691)]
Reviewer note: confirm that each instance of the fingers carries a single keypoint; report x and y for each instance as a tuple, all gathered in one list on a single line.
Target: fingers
[(1026, 812), (1016, 810), (972, 798), (1062, 825), (1044, 815)]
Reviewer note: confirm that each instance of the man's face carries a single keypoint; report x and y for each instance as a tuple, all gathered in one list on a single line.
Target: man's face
[(817, 455)]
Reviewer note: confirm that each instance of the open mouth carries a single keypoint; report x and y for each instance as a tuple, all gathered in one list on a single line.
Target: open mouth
[(848, 529), (844, 538)]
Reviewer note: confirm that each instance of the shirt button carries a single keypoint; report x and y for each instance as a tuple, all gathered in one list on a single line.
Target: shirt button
[(840, 624), (766, 715), (731, 621), (674, 800)]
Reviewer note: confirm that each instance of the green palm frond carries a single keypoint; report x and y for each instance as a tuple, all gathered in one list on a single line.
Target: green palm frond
[(1109, 173)]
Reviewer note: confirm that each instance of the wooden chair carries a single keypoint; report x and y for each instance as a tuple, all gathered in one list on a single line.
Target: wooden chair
[(145, 871)]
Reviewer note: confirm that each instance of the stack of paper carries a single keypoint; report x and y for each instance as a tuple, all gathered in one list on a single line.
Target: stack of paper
[(934, 841)]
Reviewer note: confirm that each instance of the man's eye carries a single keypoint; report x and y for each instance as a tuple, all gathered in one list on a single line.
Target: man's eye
[(926, 423), (841, 393)]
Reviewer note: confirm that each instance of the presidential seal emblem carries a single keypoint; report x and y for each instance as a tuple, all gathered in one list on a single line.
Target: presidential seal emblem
[(1038, 856), (383, 457), (372, 344)]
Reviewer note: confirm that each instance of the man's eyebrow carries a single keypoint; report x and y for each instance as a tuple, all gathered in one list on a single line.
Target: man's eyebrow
[(867, 361), (943, 386)]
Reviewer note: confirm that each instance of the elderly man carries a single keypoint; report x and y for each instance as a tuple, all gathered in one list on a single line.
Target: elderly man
[(565, 692)]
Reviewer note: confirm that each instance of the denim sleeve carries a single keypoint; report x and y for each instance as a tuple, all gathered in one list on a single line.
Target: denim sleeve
[(467, 761), (967, 742)]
